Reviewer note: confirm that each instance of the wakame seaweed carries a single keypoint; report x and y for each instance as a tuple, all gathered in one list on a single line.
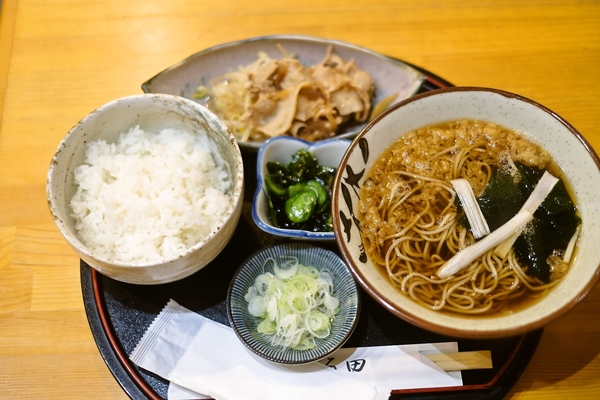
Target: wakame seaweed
[(554, 223), (299, 193)]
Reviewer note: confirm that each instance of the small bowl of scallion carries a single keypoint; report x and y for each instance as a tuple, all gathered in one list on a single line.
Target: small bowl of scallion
[(293, 303), (294, 186)]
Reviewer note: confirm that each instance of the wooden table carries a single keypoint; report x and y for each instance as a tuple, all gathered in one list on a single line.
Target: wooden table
[(59, 60)]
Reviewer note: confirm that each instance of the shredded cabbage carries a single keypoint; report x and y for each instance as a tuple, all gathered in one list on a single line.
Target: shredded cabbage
[(296, 303)]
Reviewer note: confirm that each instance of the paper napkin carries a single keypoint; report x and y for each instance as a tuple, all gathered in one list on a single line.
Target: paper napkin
[(203, 359)]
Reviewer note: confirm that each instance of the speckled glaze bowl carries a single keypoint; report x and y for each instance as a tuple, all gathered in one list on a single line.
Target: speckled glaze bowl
[(245, 325), (281, 149), (152, 112), (570, 150)]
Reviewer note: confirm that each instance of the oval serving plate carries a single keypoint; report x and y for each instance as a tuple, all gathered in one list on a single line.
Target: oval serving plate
[(391, 76)]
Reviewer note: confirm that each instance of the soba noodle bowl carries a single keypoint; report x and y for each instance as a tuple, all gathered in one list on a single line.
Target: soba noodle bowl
[(410, 218)]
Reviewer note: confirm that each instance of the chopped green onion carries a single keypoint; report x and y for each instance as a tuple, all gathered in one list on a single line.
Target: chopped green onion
[(287, 270), (296, 303)]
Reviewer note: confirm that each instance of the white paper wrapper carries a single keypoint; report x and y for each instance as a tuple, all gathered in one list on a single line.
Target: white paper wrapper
[(205, 359)]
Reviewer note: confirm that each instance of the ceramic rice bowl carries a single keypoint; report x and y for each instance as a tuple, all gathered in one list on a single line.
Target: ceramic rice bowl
[(153, 113)]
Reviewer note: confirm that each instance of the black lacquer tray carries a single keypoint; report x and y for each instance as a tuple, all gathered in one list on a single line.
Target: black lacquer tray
[(119, 314)]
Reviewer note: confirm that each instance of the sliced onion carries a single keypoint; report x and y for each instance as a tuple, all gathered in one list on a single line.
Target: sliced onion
[(267, 327), (318, 324), (332, 303), (297, 303), (308, 270), (252, 292), (257, 306), (262, 283), (272, 308), (287, 270)]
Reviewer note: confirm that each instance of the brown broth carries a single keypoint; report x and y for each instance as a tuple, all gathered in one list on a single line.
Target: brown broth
[(422, 152)]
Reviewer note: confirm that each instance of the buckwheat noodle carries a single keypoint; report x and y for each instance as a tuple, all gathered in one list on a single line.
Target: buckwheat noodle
[(410, 221)]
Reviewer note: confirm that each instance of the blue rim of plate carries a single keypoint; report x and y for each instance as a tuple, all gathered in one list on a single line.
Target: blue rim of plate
[(260, 191), (244, 324)]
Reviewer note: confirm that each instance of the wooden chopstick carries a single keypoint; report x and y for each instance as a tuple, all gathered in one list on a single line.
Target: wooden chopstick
[(462, 361)]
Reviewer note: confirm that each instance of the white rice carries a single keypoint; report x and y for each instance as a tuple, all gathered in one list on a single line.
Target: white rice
[(148, 197)]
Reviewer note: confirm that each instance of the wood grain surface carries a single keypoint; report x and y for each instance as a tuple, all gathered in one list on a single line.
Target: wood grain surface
[(61, 59)]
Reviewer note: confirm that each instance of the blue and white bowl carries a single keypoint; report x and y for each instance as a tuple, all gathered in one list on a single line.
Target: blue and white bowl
[(281, 149), (245, 325)]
